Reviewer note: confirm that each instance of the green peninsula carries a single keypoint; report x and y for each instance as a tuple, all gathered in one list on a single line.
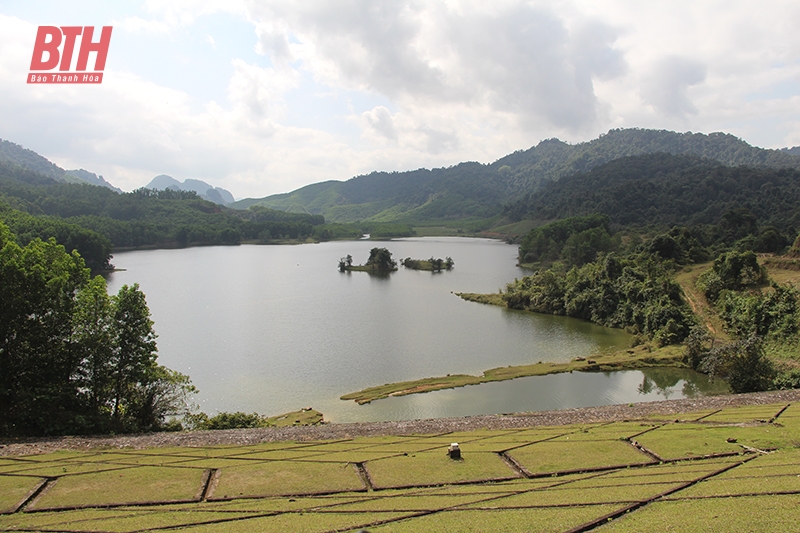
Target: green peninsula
[(631, 359)]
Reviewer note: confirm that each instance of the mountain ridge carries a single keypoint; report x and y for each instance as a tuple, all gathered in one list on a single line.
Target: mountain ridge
[(476, 190), (217, 195), (35, 162)]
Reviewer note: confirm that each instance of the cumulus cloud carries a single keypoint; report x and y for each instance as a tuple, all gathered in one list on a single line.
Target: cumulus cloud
[(666, 87), (517, 58), (380, 121), (330, 90), (256, 94)]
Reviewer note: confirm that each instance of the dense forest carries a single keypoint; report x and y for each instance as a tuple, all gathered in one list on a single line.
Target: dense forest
[(474, 190), (96, 220), (72, 358), (665, 190)]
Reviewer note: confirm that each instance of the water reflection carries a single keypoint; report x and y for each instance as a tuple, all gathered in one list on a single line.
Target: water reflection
[(539, 393), (668, 382), (273, 329)]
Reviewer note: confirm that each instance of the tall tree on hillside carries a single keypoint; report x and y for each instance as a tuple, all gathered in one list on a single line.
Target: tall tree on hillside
[(134, 358), (38, 286), (73, 359)]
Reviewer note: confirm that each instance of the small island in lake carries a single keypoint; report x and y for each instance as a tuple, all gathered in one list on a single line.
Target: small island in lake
[(432, 264), (380, 260)]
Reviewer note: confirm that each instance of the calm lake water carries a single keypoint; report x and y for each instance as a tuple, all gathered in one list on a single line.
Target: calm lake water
[(272, 329)]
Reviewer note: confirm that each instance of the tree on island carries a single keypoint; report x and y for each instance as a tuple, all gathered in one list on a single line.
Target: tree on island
[(381, 259), (345, 263), (432, 264)]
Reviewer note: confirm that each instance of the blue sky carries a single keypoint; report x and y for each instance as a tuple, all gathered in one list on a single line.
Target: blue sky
[(263, 97)]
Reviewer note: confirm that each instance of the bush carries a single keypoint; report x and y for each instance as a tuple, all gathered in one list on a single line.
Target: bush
[(733, 271), (225, 420), (743, 364), (788, 379)]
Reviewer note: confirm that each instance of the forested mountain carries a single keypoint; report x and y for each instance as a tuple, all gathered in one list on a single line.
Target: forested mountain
[(84, 176), (665, 190), (30, 160), (475, 190), (553, 159), (466, 190), (218, 195), (93, 220)]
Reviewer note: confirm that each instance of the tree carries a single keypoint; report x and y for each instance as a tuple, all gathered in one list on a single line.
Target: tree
[(733, 271), (381, 259), (743, 364), (134, 359), (93, 334), (38, 286), (73, 359), (345, 263)]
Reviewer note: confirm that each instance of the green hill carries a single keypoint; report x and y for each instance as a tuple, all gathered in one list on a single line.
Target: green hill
[(663, 189), (94, 219), (474, 190), (30, 160), (468, 190)]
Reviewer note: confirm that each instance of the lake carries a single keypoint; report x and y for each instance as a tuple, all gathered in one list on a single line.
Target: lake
[(271, 329)]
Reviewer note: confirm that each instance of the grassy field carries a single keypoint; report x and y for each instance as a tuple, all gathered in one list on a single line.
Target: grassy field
[(736, 469)]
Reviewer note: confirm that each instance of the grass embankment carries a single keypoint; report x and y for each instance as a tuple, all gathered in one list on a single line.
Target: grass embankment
[(303, 417), (738, 468), (631, 359), (368, 268)]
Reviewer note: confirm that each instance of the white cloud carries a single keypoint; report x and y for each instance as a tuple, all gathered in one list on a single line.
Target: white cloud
[(516, 58), (137, 24), (380, 121), (348, 87), (665, 86)]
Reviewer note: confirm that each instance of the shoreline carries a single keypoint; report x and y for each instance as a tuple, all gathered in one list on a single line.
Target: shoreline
[(345, 431), (636, 358)]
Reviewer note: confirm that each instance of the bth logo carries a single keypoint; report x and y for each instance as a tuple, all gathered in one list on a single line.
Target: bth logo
[(49, 54)]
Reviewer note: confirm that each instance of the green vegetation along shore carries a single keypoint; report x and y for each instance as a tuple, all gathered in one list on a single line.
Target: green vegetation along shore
[(780, 361), (632, 359), (718, 469)]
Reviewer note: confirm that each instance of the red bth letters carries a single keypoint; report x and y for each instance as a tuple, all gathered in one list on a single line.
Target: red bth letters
[(47, 54)]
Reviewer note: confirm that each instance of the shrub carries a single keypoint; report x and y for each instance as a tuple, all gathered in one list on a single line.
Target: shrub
[(743, 364)]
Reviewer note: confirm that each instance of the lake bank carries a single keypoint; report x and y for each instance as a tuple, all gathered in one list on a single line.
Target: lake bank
[(337, 431), (270, 329), (630, 359)]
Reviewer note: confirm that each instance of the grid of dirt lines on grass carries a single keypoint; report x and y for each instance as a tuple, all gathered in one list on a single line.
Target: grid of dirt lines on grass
[(738, 467)]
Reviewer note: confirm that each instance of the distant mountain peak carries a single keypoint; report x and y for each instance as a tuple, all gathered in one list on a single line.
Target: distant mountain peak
[(218, 195), (84, 176), (29, 159)]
